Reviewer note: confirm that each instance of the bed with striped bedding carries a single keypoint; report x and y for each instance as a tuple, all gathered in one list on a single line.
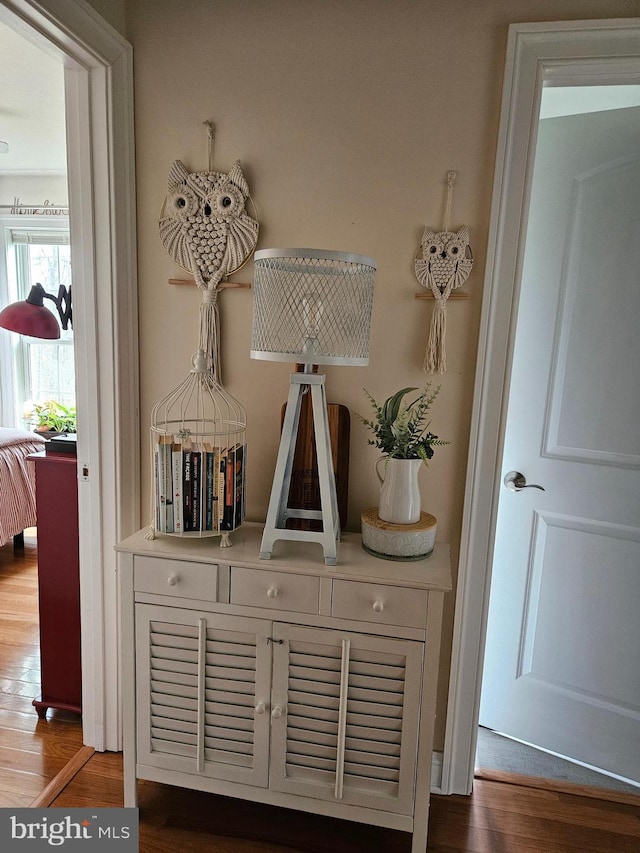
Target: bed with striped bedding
[(17, 481)]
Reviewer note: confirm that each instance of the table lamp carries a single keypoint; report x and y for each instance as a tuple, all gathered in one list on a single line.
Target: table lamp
[(311, 307)]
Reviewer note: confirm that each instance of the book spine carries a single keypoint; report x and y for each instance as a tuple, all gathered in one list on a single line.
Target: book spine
[(209, 489), (187, 496), (168, 484), (216, 477), (163, 485), (229, 491), (196, 490), (244, 484), (238, 514), (156, 480), (176, 473), (222, 471)]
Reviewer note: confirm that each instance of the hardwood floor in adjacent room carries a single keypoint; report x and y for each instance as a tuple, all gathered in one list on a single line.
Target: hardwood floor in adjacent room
[(504, 815), (32, 751)]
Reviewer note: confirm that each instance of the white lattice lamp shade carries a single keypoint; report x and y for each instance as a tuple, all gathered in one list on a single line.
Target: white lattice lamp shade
[(312, 306)]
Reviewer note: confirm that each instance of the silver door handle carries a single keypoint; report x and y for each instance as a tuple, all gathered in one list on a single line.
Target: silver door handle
[(516, 482)]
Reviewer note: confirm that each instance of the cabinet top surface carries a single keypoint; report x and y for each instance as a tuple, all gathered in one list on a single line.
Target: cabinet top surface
[(52, 456), (354, 563)]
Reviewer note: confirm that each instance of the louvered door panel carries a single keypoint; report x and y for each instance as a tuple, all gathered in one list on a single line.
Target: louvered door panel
[(351, 706), (200, 681)]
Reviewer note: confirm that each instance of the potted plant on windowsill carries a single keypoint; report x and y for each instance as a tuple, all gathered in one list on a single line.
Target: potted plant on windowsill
[(52, 418), (401, 431)]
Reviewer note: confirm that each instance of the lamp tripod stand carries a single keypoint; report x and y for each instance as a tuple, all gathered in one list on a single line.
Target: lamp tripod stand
[(279, 510)]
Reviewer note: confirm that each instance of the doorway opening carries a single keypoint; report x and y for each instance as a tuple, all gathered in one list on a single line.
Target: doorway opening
[(37, 375), (34, 226), (538, 54), (557, 686), (98, 90)]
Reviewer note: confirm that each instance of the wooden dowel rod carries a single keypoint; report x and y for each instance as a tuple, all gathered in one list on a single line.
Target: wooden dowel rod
[(225, 284), (454, 295)]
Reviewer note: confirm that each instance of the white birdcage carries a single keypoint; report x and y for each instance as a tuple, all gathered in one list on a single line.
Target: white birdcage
[(199, 458)]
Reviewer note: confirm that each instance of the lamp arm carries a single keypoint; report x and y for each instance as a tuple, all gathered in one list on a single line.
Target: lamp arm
[(63, 305), (62, 301)]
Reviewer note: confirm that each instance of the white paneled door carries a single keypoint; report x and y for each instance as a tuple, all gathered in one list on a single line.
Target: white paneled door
[(563, 640)]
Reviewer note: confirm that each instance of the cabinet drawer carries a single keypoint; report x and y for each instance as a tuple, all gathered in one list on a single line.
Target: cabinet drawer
[(275, 590), (388, 605), (176, 578)]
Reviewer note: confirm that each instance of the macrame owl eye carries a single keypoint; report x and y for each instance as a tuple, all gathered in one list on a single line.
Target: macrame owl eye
[(184, 201), (229, 201), (456, 249)]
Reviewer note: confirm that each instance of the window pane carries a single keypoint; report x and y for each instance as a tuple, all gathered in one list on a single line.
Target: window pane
[(50, 265), (44, 369), (52, 373)]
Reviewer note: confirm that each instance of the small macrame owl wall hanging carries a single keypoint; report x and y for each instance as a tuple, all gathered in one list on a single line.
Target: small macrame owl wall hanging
[(205, 228), (443, 263)]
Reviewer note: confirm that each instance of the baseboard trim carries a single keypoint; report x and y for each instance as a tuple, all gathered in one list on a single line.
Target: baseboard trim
[(436, 772), (60, 782)]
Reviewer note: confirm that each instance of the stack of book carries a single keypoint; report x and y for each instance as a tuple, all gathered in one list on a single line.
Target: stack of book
[(199, 488)]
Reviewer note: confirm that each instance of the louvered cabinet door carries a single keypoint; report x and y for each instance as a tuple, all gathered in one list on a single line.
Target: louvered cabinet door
[(203, 684), (346, 708)]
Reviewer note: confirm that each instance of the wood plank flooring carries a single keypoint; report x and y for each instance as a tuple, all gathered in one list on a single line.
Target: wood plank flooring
[(503, 815), (499, 817), (32, 751)]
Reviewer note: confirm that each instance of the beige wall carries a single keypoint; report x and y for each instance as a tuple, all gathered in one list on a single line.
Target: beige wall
[(113, 11), (346, 115), (33, 189)]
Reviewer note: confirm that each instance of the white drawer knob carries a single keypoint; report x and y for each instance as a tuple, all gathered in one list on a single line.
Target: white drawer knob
[(261, 708), (272, 592), (378, 605), (276, 713), (172, 580)]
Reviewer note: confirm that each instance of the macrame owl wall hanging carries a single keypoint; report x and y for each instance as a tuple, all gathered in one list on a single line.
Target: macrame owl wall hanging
[(443, 263), (205, 227)]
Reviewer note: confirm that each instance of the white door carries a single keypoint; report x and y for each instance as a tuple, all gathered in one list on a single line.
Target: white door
[(563, 639)]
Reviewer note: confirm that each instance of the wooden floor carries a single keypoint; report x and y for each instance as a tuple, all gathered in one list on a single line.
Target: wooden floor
[(504, 814), (32, 751), (498, 818)]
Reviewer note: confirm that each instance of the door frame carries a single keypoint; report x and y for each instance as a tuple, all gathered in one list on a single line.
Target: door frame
[(98, 76), (572, 53)]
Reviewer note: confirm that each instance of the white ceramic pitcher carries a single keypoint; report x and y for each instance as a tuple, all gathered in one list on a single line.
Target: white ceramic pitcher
[(399, 492)]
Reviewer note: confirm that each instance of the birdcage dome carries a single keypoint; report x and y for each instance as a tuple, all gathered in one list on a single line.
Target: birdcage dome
[(198, 458)]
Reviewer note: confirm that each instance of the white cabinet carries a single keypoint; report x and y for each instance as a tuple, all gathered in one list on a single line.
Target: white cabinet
[(287, 682)]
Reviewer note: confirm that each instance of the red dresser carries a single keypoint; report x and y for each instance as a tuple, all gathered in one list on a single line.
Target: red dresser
[(58, 581)]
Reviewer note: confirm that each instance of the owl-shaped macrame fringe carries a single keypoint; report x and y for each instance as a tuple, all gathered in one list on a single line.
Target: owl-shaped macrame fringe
[(206, 230), (445, 265)]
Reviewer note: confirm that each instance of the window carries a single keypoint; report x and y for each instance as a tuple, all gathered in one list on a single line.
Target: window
[(43, 370)]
